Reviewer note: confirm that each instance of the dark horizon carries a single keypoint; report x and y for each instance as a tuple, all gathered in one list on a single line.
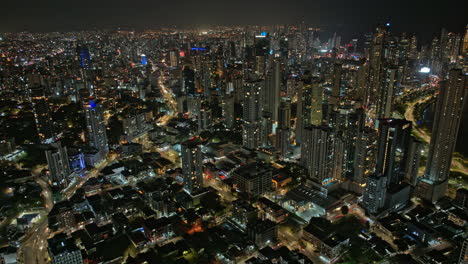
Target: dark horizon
[(349, 19)]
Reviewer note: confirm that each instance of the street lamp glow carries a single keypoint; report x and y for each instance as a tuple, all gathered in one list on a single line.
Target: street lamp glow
[(425, 70)]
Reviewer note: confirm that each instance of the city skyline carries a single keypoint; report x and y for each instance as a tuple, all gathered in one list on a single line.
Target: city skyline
[(342, 16), (293, 143)]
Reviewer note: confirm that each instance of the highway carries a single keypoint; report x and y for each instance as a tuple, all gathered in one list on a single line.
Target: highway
[(33, 249), (34, 244), (458, 163)]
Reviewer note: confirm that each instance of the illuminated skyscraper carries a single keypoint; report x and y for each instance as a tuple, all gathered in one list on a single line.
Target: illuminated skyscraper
[(449, 109), (336, 83), (364, 155), (284, 115), (251, 129), (188, 81), (272, 92), (192, 166), (376, 64), (322, 154), (59, 166), (42, 116), (143, 59), (465, 42), (386, 92), (393, 141), (374, 195), (309, 106), (95, 126), (228, 110)]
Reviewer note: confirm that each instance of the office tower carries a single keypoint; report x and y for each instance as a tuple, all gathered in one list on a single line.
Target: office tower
[(322, 154), (59, 166), (374, 195), (393, 140), (188, 81), (253, 178), (44, 124), (386, 92), (449, 109), (364, 156), (192, 165), (95, 125)]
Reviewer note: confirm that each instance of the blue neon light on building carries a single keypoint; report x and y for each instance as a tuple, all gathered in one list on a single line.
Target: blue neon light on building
[(143, 59)]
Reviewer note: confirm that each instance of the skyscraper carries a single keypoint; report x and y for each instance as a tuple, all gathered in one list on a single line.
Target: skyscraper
[(322, 154), (59, 166), (386, 92), (449, 109), (336, 84), (44, 123), (375, 64), (192, 166), (364, 156), (282, 141), (374, 195), (188, 81), (272, 92), (463, 259), (227, 106), (309, 106), (393, 140), (284, 115), (95, 126), (251, 133), (413, 161)]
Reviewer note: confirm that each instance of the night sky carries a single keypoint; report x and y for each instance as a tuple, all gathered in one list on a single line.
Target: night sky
[(348, 18)]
